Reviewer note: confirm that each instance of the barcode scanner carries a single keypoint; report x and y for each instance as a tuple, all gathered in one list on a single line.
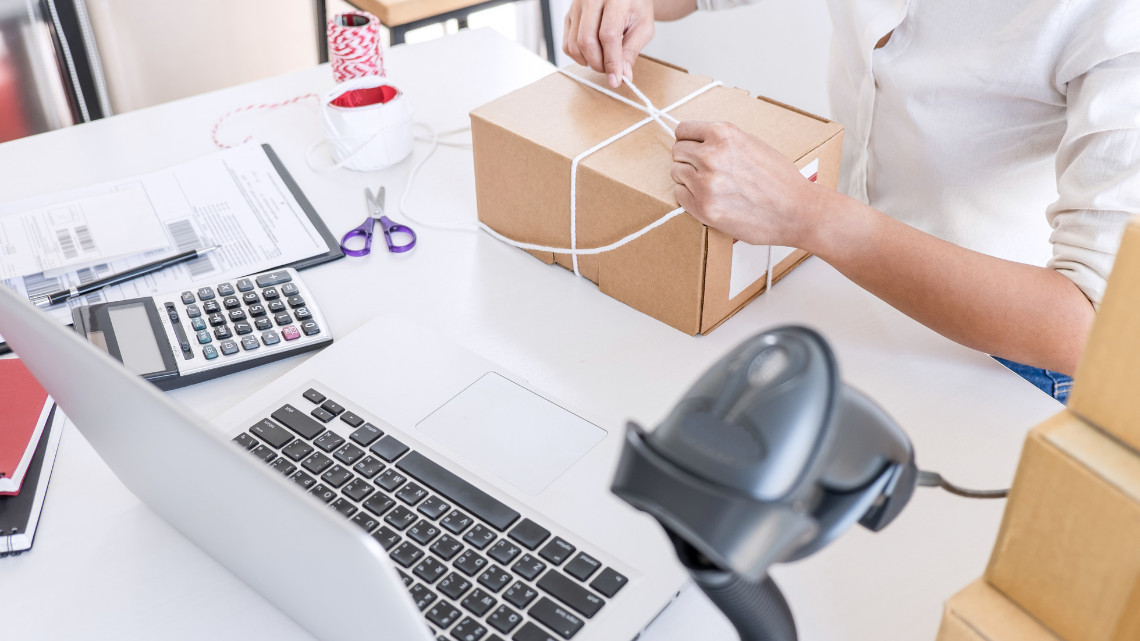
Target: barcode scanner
[(766, 459)]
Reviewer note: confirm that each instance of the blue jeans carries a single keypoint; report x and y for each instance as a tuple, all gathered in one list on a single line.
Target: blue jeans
[(1052, 383)]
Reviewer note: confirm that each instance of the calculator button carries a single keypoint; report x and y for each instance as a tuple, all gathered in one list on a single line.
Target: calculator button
[(187, 298), (211, 307), (276, 306), (204, 337), (205, 294), (290, 333), (209, 352), (283, 319), (302, 313), (222, 333), (250, 298), (198, 324), (270, 293), (244, 285), (263, 324), (249, 343), (242, 328), (290, 289), (217, 319), (270, 338), (310, 328), (273, 278), (192, 311), (231, 302), (172, 314), (237, 315), (256, 310), (225, 289), (228, 347), (296, 301)]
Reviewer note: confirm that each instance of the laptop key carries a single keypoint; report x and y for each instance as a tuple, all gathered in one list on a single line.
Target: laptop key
[(390, 480), (504, 619), (323, 493), (456, 522), (423, 532), (531, 632), (379, 504), (386, 538), (314, 396), (464, 494), (582, 566), (283, 465), (348, 454), (368, 467), (468, 630), (302, 479), (332, 407), (328, 441), (245, 441), (446, 547), (401, 517), (479, 537), (389, 448), (408, 581), (365, 521), (609, 582), (344, 507), (297, 450), (520, 594), (271, 433), (443, 614), (433, 507), (454, 586), (316, 463), (406, 554), (529, 533), (504, 551), (263, 453), (557, 551), (553, 616), (528, 567), (494, 578), (470, 563), (357, 489), (430, 570), (572, 594), (422, 596), (365, 434), (352, 419), (478, 602), (336, 476), (297, 421), (411, 494), (322, 414)]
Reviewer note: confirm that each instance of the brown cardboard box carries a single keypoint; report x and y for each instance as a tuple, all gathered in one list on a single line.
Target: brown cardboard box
[(679, 273), (1108, 376), (1069, 547), (981, 613)]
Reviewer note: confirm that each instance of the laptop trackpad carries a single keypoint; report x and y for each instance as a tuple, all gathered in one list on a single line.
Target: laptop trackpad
[(512, 432)]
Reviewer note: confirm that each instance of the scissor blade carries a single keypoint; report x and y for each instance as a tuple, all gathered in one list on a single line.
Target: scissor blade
[(375, 201)]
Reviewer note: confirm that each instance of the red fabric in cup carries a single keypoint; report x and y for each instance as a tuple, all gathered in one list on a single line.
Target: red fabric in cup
[(365, 97)]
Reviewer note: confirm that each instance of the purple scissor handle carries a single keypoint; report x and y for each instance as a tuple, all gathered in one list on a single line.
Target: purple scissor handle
[(376, 215)]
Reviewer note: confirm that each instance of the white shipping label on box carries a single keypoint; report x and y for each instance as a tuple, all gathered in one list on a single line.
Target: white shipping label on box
[(750, 262)]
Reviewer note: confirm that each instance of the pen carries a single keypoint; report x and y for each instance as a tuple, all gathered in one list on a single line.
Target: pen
[(55, 298)]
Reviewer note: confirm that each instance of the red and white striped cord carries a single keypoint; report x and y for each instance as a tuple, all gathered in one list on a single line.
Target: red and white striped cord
[(354, 46), (260, 107)]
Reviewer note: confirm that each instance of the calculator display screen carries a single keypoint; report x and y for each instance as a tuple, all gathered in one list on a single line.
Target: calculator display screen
[(137, 343)]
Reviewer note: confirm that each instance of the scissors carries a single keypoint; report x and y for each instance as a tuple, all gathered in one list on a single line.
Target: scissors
[(375, 215)]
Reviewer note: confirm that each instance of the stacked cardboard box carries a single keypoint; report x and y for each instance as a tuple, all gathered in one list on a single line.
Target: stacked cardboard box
[(1068, 553), (682, 273)]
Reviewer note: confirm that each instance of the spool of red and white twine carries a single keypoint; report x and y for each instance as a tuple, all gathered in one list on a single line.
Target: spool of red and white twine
[(354, 52), (354, 46)]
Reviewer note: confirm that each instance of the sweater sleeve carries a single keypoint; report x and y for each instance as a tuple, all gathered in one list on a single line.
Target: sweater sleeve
[(1098, 160)]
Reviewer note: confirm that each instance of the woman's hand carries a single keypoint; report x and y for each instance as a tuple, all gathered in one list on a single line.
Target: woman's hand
[(607, 35)]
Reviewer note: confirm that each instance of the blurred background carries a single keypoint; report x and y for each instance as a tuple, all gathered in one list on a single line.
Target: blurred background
[(69, 61)]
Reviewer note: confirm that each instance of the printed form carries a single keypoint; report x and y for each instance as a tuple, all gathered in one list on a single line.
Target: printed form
[(235, 198)]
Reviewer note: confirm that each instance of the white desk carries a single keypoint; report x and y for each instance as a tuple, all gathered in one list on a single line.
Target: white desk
[(104, 567)]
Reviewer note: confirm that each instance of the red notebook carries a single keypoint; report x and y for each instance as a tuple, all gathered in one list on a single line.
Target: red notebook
[(24, 410)]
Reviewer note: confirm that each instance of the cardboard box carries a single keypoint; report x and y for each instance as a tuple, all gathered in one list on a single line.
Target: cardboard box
[(1069, 547), (682, 273), (1108, 377), (981, 613)]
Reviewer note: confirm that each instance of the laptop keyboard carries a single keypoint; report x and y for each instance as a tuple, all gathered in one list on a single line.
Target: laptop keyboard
[(474, 566)]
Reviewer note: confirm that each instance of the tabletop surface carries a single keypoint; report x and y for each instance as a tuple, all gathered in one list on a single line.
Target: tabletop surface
[(105, 567)]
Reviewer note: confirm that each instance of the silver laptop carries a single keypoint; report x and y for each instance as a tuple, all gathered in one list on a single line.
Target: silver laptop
[(431, 488)]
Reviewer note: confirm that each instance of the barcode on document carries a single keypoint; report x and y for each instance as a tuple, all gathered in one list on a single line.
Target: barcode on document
[(182, 231), (66, 243), (39, 285), (85, 240)]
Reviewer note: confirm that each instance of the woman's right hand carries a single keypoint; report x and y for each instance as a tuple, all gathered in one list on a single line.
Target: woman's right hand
[(608, 35)]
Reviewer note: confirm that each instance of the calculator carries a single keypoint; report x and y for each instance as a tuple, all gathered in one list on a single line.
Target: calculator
[(210, 330)]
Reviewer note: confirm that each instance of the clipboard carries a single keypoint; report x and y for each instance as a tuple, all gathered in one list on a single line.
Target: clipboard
[(334, 251)]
